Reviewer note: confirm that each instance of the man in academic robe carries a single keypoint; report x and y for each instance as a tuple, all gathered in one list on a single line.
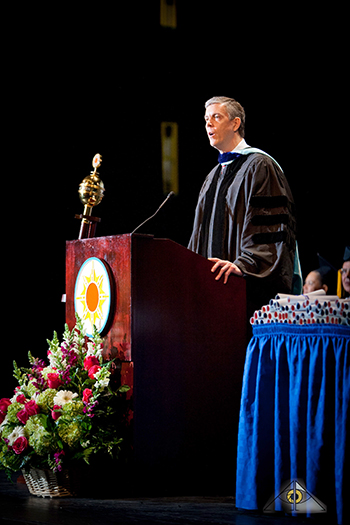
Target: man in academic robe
[(244, 220)]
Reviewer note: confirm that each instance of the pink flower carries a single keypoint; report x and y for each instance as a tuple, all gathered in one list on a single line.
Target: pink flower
[(90, 361), (21, 398), (20, 445), (87, 394), (93, 370), (59, 460), (53, 380), (32, 408), (72, 357), (55, 412)]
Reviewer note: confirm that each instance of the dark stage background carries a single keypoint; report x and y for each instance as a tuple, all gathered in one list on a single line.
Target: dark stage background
[(80, 82)]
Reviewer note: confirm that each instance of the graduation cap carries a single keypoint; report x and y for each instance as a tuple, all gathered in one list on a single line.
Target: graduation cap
[(325, 264), (328, 273), (346, 254)]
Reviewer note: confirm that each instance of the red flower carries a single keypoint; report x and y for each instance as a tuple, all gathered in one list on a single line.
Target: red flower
[(21, 398), (93, 370), (87, 394), (23, 416), (4, 404), (55, 413), (53, 380), (90, 361), (32, 408), (20, 445)]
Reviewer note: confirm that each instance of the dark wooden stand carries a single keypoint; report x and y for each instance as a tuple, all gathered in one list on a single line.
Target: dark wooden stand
[(181, 336), (88, 225)]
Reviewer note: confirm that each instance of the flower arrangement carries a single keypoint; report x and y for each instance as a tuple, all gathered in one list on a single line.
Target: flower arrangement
[(65, 410)]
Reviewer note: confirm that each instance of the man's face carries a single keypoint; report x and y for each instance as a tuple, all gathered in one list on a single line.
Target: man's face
[(345, 277), (220, 129)]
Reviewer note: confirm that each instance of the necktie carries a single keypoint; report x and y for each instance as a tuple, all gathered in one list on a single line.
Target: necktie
[(226, 157)]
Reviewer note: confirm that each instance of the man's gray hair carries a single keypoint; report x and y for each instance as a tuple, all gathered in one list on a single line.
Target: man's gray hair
[(233, 108)]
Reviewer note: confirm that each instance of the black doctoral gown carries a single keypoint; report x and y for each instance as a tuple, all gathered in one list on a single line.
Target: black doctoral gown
[(258, 226)]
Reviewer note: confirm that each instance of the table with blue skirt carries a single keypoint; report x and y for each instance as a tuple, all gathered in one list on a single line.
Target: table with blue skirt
[(293, 439)]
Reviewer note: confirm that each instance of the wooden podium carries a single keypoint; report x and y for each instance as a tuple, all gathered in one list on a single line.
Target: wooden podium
[(181, 338)]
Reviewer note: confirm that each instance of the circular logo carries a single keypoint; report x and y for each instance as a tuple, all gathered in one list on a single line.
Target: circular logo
[(93, 295)]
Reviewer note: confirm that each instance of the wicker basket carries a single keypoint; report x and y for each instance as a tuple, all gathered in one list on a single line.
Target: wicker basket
[(47, 483)]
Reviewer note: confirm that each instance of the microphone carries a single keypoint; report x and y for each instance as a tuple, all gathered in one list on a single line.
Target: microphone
[(171, 194)]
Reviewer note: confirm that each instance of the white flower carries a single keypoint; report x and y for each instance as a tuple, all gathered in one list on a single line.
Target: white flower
[(93, 349), (47, 370), (63, 397), (102, 378), (56, 360), (4, 422), (16, 433), (35, 395)]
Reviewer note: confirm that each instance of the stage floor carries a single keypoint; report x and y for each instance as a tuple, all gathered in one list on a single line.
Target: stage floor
[(18, 506)]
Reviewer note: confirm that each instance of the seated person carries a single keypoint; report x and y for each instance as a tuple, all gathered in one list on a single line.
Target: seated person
[(317, 280), (344, 283)]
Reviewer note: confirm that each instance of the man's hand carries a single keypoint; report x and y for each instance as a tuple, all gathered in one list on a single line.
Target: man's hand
[(227, 268)]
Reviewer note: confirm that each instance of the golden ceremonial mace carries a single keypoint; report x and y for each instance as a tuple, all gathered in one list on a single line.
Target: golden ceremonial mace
[(91, 191)]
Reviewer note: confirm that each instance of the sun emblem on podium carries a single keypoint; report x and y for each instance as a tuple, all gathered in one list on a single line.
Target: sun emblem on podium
[(92, 295)]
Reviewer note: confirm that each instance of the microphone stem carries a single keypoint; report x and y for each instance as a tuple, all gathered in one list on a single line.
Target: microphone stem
[(155, 213)]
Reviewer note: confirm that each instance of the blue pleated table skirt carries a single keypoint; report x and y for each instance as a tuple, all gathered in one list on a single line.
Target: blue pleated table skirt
[(293, 438)]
